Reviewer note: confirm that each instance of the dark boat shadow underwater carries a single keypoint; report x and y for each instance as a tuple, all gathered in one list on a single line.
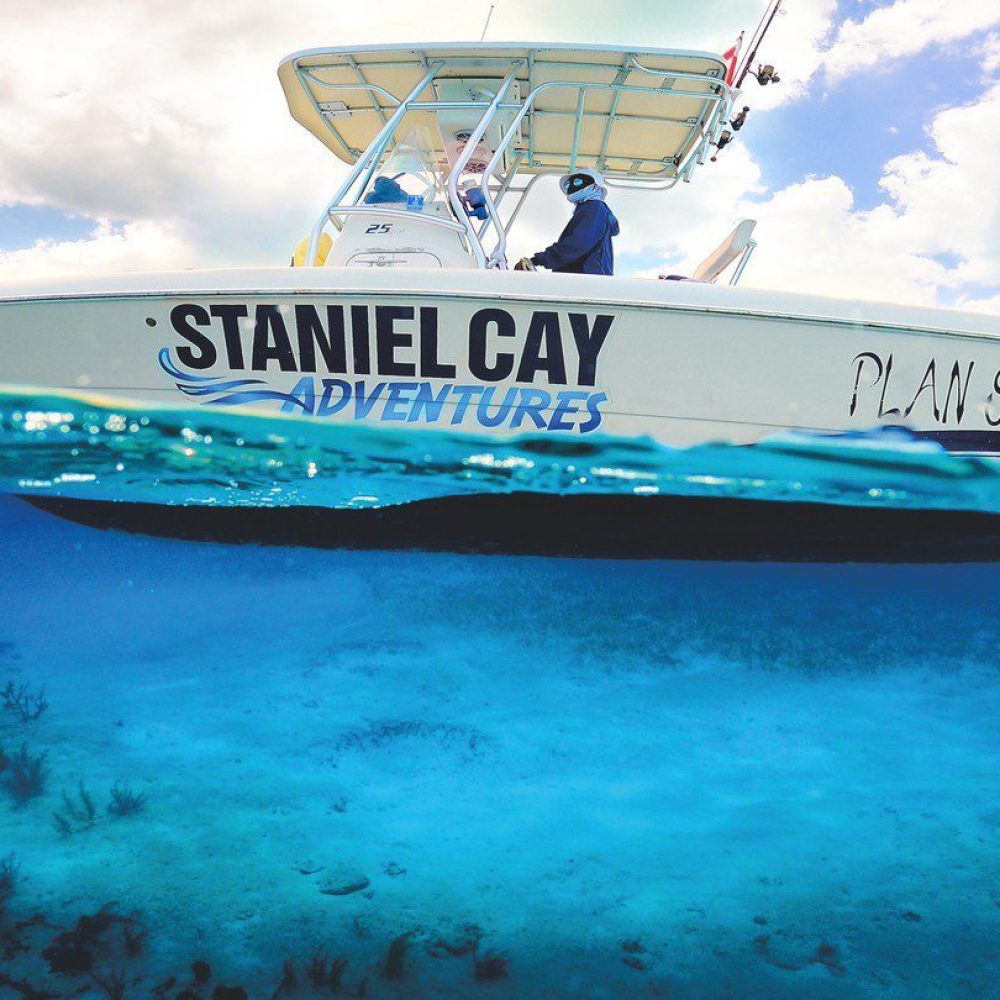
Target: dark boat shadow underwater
[(289, 771), (888, 495)]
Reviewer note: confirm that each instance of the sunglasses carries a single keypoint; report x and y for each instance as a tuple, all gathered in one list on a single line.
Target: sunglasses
[(575, 182)]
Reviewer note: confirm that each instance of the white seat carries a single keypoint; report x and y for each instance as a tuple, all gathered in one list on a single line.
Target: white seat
[(737, 243)]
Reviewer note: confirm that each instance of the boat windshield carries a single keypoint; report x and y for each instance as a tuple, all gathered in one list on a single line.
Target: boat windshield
[(409, 176)]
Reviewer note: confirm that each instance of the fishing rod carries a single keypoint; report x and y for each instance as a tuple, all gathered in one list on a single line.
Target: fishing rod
[(764, 74)]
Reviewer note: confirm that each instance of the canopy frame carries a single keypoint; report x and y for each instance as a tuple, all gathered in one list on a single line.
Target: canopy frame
[(518, 125)]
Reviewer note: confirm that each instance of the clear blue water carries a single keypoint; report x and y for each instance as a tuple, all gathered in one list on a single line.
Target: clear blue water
[(60, 445), (576, 778)]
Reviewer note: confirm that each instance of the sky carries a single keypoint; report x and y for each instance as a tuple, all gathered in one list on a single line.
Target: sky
[(135, 141)]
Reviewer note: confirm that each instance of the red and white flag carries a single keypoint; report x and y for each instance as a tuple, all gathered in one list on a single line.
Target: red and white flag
[(732, 57)]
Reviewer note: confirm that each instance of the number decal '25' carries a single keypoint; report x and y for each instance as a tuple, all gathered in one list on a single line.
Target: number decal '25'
[(380, 228)]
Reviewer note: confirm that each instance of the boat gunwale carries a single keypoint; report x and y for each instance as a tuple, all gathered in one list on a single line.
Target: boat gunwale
[(747, 312)]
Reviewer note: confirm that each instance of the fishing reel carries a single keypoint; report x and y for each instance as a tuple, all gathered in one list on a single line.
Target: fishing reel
[(765, 75), (725, 138), (727, 135)]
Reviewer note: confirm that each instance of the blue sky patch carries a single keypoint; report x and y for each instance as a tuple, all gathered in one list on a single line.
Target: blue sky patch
[(24, 225), (854, 128)]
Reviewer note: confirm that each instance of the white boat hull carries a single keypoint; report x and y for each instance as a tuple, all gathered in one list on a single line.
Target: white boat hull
[(504, 354)]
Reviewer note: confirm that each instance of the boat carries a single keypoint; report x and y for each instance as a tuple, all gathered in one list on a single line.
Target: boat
[(401, 309)]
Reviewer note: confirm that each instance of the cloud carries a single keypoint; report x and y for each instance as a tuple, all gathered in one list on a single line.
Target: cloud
[(985, 305), (936, 233), (136, 246), (807, 45), (178, 127), (949, 202), (179, 121), (988, 52), (795, 45), (904, 29)]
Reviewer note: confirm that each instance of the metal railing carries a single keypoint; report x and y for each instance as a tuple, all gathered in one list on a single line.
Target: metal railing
[(498, 256)]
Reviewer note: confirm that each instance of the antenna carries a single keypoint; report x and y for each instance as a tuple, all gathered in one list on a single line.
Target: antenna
[(489, 17)]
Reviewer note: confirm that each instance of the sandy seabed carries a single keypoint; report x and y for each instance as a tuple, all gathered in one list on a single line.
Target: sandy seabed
[(490, 776)]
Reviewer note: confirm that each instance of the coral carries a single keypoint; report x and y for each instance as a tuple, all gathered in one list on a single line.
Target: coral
[(395, 959), (25, 988), (134, 937), (87, 802), (491, 967), (316, 970), (8, 879), (321, 972), (125, 802), (25, 777), (337, 968), (113, 983), (77, 950), (63, 826), (289, 981), (24, 704), (13, 937), (162, 989), (201, 970), (85, 812)]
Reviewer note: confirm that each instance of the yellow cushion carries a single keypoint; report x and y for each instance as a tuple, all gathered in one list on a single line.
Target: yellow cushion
[(299, 257)]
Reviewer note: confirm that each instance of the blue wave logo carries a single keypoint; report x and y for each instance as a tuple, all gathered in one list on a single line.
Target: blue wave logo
[(217, 390)]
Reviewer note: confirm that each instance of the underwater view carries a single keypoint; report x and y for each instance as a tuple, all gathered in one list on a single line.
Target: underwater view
[(284, 771)]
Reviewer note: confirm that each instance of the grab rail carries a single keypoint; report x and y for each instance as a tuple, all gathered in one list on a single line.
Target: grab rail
[(499, 251), (374, 150)]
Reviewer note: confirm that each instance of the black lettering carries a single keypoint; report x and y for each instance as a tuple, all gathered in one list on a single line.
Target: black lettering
[(481, 320), (990, 419), (270, 341), (181, 318), (882, 411), (929, 381), (231, 316), (860, 360), (962, 391), (544, 325), (589, 341), (388, 340), (430, 367), (360, 340), (310, 332)]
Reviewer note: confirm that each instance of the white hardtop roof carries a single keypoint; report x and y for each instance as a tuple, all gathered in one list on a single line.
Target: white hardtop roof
[(344, 96)]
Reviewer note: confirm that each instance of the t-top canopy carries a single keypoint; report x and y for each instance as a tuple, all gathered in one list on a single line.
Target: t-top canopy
[(630, 113)]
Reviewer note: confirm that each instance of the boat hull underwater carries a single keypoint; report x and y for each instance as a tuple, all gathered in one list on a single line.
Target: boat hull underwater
[(502, 355)]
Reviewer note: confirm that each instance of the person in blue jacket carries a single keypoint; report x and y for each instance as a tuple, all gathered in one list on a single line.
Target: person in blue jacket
[(584, 246)]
